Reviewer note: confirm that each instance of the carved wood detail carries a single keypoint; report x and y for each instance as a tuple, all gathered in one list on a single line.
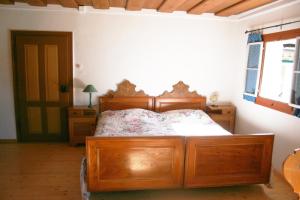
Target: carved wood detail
[(126, 89), (180, 90)]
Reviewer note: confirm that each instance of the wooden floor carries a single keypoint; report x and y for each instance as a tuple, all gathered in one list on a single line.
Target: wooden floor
[(51, 171), (39, 171)]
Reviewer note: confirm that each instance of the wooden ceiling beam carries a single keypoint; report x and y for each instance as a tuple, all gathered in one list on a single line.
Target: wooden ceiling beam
[(68, 3), (212, 6), (170, 5), (7, 2), (37, 2), (84, 2), (153, 4), (117, 3), (101, 4), (135, 4), (224, 5), (188, 5), (52, 2), (219, 7), (243, 7)]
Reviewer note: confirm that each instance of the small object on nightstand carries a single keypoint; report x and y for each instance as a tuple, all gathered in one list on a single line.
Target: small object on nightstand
[(223, 114), (90, 89), (82, 123), (214, 98)]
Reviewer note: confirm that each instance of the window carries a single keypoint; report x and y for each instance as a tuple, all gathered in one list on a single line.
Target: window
[(278, 66), (275, 81), (295, 96), (253, 70)]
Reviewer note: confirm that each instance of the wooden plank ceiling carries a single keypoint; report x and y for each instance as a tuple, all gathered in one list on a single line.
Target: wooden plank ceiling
[(218, 7)]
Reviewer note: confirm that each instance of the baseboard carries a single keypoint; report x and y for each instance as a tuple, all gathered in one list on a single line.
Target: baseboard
[(3, 141)]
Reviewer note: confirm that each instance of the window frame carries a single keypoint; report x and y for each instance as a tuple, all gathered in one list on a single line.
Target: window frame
[(270, 103), (295, 71), (258, 69)]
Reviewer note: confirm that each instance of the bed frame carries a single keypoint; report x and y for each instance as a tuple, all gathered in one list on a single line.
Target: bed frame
[(136, 163)]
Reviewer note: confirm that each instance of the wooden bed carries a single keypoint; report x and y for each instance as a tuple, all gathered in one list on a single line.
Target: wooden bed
[(136, 163)]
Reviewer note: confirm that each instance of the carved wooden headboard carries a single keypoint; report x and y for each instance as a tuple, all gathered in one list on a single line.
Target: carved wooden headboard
[(125, 97), (179, 98)]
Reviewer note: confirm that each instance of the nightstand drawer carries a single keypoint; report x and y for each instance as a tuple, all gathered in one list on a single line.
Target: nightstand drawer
[(221, 117), (89, 113), (82, 123), (75, 113), (82, 112), (227, 111), (83, 128)]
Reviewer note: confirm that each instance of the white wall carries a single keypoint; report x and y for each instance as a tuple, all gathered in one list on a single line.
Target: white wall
[(154, 52), (253, 118)]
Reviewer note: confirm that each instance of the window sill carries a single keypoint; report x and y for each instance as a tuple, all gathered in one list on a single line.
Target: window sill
[(276, 105)]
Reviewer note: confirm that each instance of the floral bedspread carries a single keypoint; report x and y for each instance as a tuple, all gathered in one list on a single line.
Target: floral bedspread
[(140, 122)]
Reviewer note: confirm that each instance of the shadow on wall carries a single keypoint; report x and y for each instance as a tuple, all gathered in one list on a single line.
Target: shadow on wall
[(79, 97), (284, 145), (243, 126), (78, 84)]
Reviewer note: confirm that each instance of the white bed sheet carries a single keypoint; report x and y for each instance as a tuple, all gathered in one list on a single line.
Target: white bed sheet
[(140, 122)]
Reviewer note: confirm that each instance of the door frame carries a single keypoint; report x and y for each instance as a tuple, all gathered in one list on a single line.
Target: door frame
[(14, 34)]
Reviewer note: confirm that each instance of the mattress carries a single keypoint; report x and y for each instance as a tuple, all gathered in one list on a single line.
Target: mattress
[(140, 122)]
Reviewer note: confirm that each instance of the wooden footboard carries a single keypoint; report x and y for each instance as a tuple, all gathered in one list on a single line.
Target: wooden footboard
[(131, 163), (228, 160)]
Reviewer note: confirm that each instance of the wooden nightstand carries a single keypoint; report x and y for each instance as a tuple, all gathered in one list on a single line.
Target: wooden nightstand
[(82, 123), (224, 115)]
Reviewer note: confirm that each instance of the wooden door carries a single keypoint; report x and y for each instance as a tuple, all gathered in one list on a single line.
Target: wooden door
[(43, 83)]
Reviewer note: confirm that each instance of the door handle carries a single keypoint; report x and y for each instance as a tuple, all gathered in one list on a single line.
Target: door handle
[(63, 88)]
